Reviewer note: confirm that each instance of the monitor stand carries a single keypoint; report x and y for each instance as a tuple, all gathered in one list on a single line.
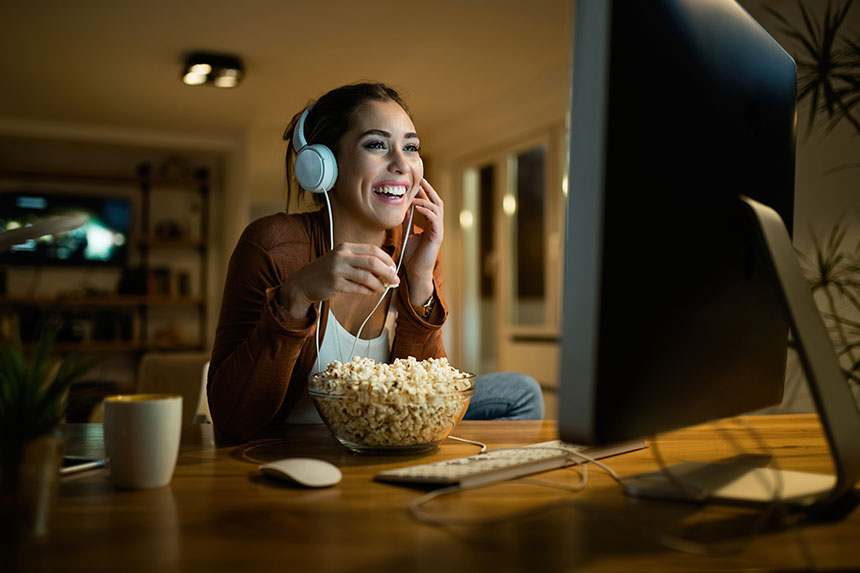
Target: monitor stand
[(743, 480)]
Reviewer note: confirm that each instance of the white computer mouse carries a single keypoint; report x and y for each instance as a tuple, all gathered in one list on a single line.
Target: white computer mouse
[(305, 471)]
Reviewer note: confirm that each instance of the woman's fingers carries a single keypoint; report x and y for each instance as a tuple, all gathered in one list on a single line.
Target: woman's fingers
[(430, 204), (374, 260), (431, 193), (429, 200), (365, 265), (352, 268)]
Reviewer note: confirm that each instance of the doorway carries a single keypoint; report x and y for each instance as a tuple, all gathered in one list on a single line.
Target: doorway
[(512, 220)]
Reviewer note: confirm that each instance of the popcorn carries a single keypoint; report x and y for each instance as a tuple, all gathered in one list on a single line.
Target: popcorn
[(405, 404)]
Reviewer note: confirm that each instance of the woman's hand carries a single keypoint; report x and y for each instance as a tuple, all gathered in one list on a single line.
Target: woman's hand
[(423, 250), (350, 267)]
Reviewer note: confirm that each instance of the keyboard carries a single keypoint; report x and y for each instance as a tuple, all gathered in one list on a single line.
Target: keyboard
[(503, 464)]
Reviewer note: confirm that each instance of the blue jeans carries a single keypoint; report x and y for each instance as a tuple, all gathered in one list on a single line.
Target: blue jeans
[(506, 396)]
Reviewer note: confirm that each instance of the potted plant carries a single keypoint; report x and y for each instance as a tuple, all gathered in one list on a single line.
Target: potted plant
[(33, 399)]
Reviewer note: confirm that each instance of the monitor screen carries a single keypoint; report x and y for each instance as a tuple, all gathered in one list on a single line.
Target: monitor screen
[(672, 315), (101, 239)]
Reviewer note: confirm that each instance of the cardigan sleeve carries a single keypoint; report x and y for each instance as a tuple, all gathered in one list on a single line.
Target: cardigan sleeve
[(257, 344)]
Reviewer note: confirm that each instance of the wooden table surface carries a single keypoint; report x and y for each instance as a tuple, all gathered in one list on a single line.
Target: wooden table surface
[(220, 514)]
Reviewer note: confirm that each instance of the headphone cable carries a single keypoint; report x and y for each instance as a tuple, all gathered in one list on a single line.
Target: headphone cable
[(388, 288), (331, 248)]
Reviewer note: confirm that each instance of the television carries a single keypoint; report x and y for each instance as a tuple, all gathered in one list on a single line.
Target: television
[(680, 279), (100, 235)]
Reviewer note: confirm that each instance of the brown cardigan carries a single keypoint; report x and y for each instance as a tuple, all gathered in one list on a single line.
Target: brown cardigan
[(262, 356)]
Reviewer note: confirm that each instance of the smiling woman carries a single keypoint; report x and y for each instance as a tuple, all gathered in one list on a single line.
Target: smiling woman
[(292, 275)]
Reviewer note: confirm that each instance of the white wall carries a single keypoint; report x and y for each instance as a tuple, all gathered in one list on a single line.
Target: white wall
[(265, 178)]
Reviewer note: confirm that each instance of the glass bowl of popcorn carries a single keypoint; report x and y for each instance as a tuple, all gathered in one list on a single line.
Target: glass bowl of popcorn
[(406, 407)]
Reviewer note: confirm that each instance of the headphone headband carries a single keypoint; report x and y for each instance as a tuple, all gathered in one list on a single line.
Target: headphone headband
[(299, 140)]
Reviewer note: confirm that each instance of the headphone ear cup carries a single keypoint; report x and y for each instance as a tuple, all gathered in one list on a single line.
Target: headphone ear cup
[(316, 168)]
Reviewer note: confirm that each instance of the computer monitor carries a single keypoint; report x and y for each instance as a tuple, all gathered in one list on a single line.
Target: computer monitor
[(680, 281)]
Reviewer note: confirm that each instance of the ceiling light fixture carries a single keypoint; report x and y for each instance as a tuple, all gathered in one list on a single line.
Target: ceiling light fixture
[(221, 70)]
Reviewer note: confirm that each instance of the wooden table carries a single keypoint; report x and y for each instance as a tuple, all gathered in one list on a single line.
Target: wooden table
[(219, 513)]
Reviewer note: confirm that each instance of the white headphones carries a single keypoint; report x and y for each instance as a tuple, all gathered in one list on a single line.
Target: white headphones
[(316, 171), (316, 167)]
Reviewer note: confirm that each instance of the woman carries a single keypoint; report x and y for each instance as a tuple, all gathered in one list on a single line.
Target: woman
[(288, 292)]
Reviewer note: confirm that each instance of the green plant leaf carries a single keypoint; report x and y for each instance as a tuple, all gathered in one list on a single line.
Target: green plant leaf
[(33, 389)]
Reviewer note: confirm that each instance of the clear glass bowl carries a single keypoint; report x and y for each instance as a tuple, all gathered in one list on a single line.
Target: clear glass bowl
[(399, 423)]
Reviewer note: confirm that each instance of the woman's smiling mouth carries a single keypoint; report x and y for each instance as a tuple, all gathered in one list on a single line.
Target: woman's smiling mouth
[(391, 191)]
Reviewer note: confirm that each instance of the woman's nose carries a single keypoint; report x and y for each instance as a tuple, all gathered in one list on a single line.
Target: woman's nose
[(398, 162)]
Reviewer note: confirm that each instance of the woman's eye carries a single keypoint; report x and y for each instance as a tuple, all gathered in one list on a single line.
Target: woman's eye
[(375, 145), (412, 147)]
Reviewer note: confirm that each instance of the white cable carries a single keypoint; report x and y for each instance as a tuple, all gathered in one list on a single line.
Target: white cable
[(360, 328), (666, 540), (481, 445), (319, 305), (569, 452), (331, 248), (388, 288)]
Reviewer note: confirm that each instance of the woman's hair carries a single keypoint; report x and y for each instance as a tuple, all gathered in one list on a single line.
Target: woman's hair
[(330, 117)]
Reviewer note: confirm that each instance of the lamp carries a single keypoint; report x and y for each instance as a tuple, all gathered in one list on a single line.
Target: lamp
[(53, 225), (220, 70)]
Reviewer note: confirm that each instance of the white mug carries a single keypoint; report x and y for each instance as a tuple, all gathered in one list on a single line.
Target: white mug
[(141, 434)]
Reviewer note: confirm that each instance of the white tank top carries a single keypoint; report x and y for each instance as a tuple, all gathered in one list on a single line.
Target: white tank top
[(336, 345)]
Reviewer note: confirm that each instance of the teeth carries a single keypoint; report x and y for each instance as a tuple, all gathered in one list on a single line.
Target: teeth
[(393, 190)]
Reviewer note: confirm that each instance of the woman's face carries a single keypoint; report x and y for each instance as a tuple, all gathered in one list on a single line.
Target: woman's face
[(379, 167)]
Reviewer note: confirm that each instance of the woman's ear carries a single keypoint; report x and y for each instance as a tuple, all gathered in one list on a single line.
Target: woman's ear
[(420, 177)]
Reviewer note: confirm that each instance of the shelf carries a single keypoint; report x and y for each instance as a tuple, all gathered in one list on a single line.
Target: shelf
[(189, 183), (131, 323), (114, 301), (70, 177), (121, 346), (173, 300)]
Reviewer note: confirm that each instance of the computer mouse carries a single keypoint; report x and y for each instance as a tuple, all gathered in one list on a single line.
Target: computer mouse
[(305, 471)]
